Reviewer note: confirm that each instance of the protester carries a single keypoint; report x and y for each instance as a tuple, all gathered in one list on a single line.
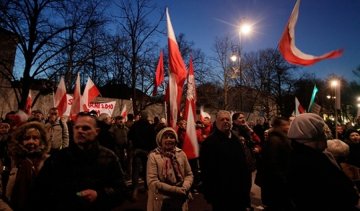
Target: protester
[(246, 136), (142, 138), (5, 161), (224, 169), (57, 131), (28, 149), (37, 115), (272, 169), (181, 132), (315, 181), (169, 175), (120, 132), (84, 176)]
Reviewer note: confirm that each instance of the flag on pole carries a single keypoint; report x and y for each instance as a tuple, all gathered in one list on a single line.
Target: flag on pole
[(159, 73), (298, 108), (60, 100), (190, 145), (90, 93), (312, 100), (289, 50), (28, 103), (76, 103), (177, 73), (203, 114), (124, 112)]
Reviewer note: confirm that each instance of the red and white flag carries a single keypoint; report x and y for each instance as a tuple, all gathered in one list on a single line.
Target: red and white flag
[(60, 100), (76, 103), (159, 73), (291, 53), (28, 103), (90, 93), (177, 74), (124, 112), (298, 108), (190, 145), (203, 114)]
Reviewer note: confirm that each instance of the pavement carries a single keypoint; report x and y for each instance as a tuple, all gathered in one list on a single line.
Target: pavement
[(197, 204)]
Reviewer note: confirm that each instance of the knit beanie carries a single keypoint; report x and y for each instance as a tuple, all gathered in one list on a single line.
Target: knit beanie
[(307, 127), (162, 132)]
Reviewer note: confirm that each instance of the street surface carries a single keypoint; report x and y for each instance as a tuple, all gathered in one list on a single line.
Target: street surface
[(197, 204)]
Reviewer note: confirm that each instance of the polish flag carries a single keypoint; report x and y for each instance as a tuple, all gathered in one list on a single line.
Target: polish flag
[(190, 145), (203, 114), (298, 108), (28, 103), (75, 107), (291, 53), (60, 100), (159, 74), (90, 93), (124, 112), (177, 74)]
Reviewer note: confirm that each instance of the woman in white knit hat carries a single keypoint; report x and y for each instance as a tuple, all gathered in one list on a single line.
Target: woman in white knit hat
[(169, 175)]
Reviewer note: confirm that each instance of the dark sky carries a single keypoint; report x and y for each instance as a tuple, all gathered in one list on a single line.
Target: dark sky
[(323, 25)]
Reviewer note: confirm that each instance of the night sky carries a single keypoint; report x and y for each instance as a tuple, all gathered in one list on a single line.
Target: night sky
[(322, 26)]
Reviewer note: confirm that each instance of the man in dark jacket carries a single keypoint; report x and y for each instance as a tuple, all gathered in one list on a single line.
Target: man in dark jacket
[(84, 176), (273, 165), (224, 170)]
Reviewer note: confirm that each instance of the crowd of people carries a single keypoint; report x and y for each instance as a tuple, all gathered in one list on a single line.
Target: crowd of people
[(52, 163)]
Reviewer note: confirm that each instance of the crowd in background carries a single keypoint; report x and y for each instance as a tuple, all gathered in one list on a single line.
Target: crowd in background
[(95, 162)]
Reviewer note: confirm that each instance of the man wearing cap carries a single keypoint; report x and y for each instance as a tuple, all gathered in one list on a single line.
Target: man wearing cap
[(315, 181)]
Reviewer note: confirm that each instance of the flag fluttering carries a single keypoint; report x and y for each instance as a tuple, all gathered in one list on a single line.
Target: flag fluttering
[(177, 73), (312, 100), (28, 103), (298, 108), (203, 114), (190, 145), (76, 103), (60, 100), (90, 93), (289, 50), (159, 73)]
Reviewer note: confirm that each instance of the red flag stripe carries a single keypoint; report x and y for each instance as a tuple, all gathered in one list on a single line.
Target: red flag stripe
[(190, 145), (177, 74), (159, 73), (289, 50)]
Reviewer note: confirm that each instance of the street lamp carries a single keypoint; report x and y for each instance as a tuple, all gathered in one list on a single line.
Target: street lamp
[(245, 29), (358, 106), (336, 85)]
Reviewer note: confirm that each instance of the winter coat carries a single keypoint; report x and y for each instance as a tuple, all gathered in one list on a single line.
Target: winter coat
[(58, 134), (158, 189), (316, 183), (224, 171), (72, 170)]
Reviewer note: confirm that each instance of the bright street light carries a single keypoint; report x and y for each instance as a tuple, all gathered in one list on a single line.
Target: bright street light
[(245, 28)]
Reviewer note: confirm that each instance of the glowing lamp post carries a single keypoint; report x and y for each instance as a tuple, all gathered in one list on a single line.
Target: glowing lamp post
[(244, 29), (336, 85)]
